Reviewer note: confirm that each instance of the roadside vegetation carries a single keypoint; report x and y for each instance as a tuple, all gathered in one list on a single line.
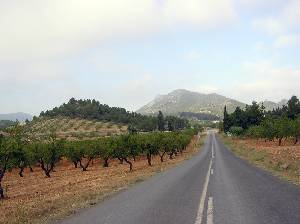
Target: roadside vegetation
[(270, 139), (60, 176), (254, 122), (20, 152), (74, 155)]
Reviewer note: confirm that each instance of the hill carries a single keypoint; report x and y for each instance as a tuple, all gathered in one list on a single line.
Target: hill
[(74, 128), (94, 110), (182, 100), (20, 116), (269, 105)]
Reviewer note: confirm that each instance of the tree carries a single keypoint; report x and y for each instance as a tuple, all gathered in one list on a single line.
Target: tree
[(160, 121), (73, 153), (122, 149), (7, 147), (20, 159), (236, 131), (282, 128), (163, 143), (293, 108), (295, 125), (226, 121), (254, 132), (105, 149), (47, 154), (89, 152)]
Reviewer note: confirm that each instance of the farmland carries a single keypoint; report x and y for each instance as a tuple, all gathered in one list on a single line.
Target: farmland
[(75, 128), (40, 199)]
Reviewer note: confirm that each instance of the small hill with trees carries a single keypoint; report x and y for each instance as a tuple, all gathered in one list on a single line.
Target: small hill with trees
[(95, 111)]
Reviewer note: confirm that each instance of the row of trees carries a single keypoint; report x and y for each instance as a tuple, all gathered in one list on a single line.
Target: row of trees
[(254, 121), (276, 128), (93, 110), (251, 115), (17, 151), (171, 123)]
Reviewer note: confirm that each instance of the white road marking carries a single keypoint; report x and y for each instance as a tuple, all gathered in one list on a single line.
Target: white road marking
[(212, 152), (210, 211), (212, 172), (203, 196)]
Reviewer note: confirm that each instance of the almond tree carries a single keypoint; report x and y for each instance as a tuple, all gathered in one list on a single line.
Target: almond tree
[(73, 153), (120, 146), (7, 146), (47, 153), (89, 152)]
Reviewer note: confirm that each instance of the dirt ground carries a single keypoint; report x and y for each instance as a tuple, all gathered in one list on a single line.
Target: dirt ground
[(283, 161), (36, 199)]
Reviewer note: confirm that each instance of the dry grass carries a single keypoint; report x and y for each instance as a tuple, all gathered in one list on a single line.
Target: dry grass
[(283, 161), (36, 199)]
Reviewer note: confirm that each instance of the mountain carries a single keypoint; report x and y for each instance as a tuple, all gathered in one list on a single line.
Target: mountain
[(182, 100), (20, 116), (269, 105)]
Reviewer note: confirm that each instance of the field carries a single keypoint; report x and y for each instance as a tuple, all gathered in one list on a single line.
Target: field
[(71, 129), (283, 161), (36, 199)]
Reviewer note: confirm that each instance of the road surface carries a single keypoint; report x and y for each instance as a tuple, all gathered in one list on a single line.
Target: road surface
[(212, 187)]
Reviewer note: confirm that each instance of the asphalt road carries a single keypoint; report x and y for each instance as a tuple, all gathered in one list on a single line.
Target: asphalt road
[(212, 187)]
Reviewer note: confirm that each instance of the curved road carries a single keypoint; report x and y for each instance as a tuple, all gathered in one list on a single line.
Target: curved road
[(212, 187)]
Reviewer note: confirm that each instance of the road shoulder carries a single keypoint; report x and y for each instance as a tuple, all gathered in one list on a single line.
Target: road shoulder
[(280, 162)]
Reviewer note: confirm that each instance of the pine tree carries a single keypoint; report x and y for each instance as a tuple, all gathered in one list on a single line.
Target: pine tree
[(226, 120), (161, 121)]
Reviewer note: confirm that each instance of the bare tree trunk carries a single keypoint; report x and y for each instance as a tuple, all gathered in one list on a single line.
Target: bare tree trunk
[(162, 156), (21, 171), (296, 140), (171, 155), (46, 168), (30, 168), (130, 163), (149, 159), (84, 167), (105, 164), (280, 141), (1, 192), (1, 189), (75, 164)]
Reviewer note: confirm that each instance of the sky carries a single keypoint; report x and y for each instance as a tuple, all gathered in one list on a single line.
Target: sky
[(126, 52)]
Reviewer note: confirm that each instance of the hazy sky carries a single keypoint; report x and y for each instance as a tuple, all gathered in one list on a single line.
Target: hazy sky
[(125, 52)]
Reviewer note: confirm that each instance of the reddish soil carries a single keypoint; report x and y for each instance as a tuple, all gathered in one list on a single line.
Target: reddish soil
[(36, 199)]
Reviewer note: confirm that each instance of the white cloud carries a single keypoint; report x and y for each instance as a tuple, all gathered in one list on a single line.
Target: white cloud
[(270, 25), (284, 26), (192, 55), (254, 4), (259, 46), (198, 12), (267, 82), (206, 89), (53, 28), (142, 89), (291, 13), (287, 41)]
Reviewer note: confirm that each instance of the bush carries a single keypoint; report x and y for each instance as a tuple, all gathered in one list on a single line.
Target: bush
[(236, 131)]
